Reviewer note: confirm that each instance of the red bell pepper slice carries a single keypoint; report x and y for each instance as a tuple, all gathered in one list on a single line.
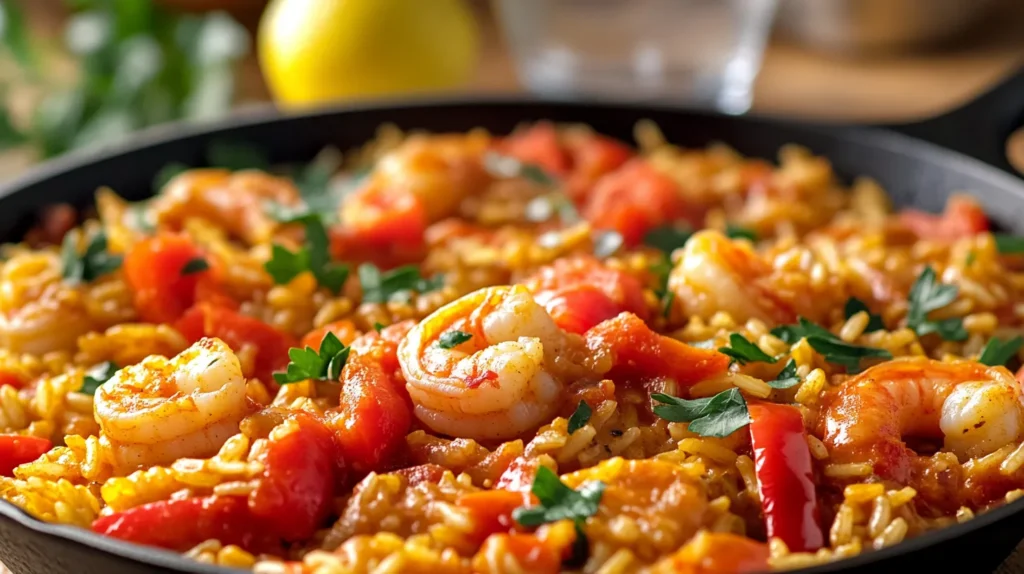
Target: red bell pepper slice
[(784, 471), (17, 449)]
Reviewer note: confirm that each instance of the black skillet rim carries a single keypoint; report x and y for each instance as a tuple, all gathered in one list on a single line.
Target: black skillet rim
[(883, 139)]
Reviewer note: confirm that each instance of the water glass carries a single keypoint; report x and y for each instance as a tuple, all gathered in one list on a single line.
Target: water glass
[(701, 52)]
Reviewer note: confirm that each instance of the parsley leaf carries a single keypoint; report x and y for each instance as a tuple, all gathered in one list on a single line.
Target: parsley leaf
[(284, 265), (580, 417), (737, 232), (971, 256), (661, 270), (667, 239), (997, 352), (743, 351), (452, 339), (787, 378), (309, 364), (854, 306), (558, 501), (94, 262), (381, 286), (834, 350), (928, 295), (196, 265), (793, 333), (716, 416), (377, 326), (1008, 244), (96, 376), (504, 166)]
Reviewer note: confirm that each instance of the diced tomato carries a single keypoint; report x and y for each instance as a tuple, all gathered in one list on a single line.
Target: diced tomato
[(581, 291), (182, 523), (717, 553), (638, 351), (538, 145), (633, 200), (344, 330), (301, 469), (16, 450), (153, 269), (593, 156), (963, 217), (383, 226), (785, 475), (11, 379), (382, 347), (237, 331), (492, 510), (373, 418)]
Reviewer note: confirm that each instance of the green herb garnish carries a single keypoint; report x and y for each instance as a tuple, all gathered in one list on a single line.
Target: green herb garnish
[(928, 295), (716, 416), (787, 377), (94, 262), (667, 239), (325, 364), (804, 328), (661, 270), (196, 265), (504, 166), (98, 375), (834, 350), (743, 351), (314, 256), (378, 326), (558, 501), (997, 351), (737, 232), (1009, 244), (580, 417), (452, 339), (381, 286), (854, 306), (971, 256)]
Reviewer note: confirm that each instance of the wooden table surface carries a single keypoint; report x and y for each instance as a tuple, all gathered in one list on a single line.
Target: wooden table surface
[(793, 82)]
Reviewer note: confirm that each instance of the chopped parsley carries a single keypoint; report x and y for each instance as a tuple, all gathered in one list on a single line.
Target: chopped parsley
[(743, 351), (661, 270), (667, 238), (506, 167), (737, 232), (559, 502), (1008, 244), (94, 262), (831, 347), (928, 295), (716, 416), (314, 256), (787, 377), (452, 339), (382, 286), (580, 417), (854, 306), (997, 351), (378, 326), (196, 265), (325, 364), (971, 256), (96, 376)]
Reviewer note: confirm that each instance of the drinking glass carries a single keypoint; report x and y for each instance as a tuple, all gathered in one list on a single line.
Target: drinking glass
[(702, 52)]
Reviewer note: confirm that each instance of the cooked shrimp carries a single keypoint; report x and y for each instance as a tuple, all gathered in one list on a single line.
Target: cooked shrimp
[(499, 383), (234, 201), (39, 312), (163, 409), (439, 171), (975, 409), (715, 273)]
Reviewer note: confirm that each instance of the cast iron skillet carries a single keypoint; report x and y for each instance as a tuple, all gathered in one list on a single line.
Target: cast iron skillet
[(919, 164)]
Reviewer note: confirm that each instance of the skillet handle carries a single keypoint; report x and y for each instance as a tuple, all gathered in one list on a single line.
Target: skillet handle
[(979, 128)]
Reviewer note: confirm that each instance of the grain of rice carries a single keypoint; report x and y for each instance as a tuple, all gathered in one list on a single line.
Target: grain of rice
[(810, 389), (842, 527), (620, 562), (848, 470), (860, 493), (616, 446), (963, 514), (818, 449), (576, 443), (751, 385), (1014, 495), (854, 327), (729, 523), (706, 447), (981, 323), (802, 353), (1012, 463), (893, 534), (881, 515), (745, 466)]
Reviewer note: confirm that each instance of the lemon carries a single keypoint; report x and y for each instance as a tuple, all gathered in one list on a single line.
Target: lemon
[(313, 51)]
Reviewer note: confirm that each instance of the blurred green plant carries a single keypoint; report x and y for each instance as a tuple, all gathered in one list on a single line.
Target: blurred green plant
[(139, 65)]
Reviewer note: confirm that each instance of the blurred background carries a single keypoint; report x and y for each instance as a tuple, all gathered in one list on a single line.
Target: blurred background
[(83, 73)]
